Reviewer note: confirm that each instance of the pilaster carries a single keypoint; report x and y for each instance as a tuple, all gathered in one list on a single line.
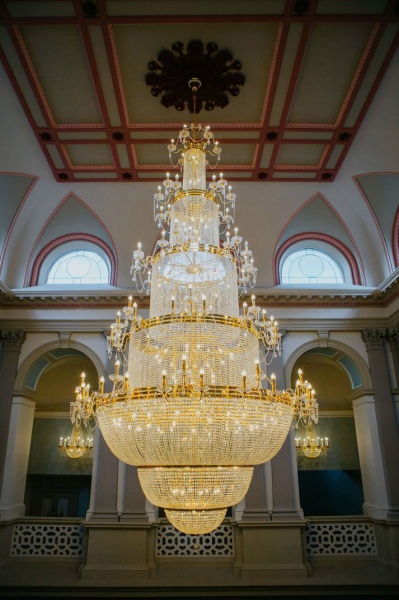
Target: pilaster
[(12, 343), (16, 465), (388, 433)]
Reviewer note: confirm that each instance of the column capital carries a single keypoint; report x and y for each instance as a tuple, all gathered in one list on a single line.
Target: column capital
[(373, 338), (13, 339), (393, 338)]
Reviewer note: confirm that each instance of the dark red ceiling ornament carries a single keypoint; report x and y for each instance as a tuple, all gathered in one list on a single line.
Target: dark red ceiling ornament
[(217, 70)]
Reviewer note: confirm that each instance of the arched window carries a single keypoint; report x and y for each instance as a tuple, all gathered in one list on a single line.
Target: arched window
[(311, 266), (316, 259), (54, 265), (78, 267)]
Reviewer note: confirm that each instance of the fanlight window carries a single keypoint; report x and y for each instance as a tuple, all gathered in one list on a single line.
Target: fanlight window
[(308, 265), (78, 267)]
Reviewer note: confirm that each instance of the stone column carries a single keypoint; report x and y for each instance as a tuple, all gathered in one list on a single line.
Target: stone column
[(104, 482), (286, 504), (371, 463), (16, 465), (12, 343), (135, 506), (388, 433), (393, 338)]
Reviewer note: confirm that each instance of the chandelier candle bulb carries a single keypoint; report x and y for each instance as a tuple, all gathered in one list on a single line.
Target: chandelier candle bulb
[(201, 372), (164, 379), (117, 366), (129, 301), (257, 369), (273, 380), (244, 380), (126, 381), (135, 309), (101, 386), (245, 306)]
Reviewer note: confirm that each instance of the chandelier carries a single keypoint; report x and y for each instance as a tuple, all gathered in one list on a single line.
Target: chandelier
[(76, 445), (191, 404), (312, 446)]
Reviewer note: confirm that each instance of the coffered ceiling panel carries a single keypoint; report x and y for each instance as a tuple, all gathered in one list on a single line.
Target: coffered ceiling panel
[(311, 71)]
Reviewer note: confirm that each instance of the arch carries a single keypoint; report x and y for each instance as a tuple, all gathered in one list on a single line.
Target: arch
[(395, 239), (314, 197), (41, 257), (34, 356), (356, 181), (354, 267), (34, 179), (357, 360), (29, 277)]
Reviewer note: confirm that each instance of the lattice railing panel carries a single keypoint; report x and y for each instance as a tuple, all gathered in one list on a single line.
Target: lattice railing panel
[(47, 540), (340, 538), (171, 542)]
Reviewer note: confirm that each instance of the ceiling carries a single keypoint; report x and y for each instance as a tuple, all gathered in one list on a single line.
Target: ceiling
[(311, 71)]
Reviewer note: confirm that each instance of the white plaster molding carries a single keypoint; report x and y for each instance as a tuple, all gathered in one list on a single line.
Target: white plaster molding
[(98, 325), (52, 414), (356, 358), (8, 513), (65, 338), (384, 285), (6, 290), (323, 338), (38, 352), (325, 414)]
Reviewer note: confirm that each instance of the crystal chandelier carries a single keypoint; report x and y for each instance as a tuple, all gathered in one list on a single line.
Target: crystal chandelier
[(76, 445), (312, 446), (191, 405)]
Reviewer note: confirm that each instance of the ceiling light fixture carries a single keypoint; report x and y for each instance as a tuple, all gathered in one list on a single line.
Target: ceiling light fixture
[(194, 409)]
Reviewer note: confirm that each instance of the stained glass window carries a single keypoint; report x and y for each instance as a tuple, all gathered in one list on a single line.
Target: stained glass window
[(310, 266), (77, 267)]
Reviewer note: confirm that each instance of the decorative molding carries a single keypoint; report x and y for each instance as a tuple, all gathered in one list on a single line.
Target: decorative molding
[(373, 338), (65, 337), (13, 340), (171, 542), (393, 338), (340, 538), (47, 540), (323, 338), (218, 70)]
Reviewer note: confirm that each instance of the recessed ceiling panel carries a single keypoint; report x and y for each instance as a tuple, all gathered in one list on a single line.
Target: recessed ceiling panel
[(332, 56), (250, 43), (40, 8), (300, 154), (83, 155), (57, 57)]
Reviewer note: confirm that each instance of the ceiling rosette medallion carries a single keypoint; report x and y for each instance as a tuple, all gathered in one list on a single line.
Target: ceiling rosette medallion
[(218, 71)]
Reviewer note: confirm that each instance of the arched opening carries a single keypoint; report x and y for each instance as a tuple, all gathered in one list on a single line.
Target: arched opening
[(331, 484), (56, 485)]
